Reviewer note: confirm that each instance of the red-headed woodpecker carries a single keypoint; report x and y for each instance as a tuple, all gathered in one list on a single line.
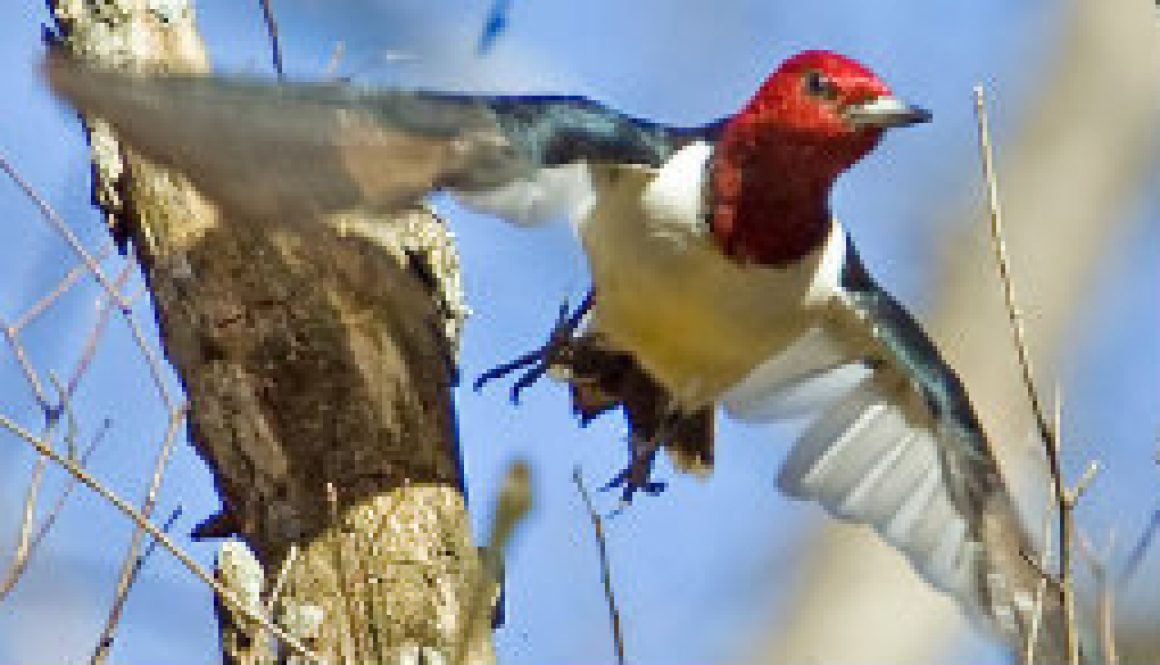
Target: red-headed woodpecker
[(716, 264)]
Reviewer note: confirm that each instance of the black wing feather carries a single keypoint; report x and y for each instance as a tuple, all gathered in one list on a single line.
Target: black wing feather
[(556, 130), (271, 150), (911, 349), (1005, 579)]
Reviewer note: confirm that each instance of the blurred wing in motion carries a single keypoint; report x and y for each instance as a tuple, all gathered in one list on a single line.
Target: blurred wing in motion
[(898, 447), (293, 151)]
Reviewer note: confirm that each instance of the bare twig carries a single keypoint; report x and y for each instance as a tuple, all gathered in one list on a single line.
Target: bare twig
[(132, 563), (1040, 589), (1064, 498), (30, 375), (28, 516), (105, 641), (280, 583), (152, 361), (228, 597), (90, 348), (25, 552), (167, 527), (70, 279), (112, 291), (1097, 561), (1140, 549), (64, 411), (70, 238), (1014, 314), (272, 29), (605, 568), (53, 411)]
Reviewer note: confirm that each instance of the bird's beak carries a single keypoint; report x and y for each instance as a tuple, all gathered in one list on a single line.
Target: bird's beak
[(885, 113)]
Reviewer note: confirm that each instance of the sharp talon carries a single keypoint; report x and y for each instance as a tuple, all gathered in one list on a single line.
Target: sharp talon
[(617, 480), (654, 488), (540, 360), (527, 380), (503, 370), (629, 487), (651, 488)]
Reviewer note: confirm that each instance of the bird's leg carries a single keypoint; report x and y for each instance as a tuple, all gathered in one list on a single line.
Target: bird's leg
[(540, 360), (643, 448)]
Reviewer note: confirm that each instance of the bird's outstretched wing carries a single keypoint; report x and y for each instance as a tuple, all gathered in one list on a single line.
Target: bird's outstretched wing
[(897, 446), (285, 151)]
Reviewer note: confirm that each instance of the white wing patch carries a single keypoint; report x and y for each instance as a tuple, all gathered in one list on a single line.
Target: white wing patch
[(676, 196), (865, 462), (809, 375), (549, 194)]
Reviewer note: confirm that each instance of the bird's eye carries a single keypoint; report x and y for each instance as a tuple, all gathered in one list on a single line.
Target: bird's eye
[(819, 85)]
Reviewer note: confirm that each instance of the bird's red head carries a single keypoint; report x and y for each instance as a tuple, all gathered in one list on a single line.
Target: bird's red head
[(813, 118)]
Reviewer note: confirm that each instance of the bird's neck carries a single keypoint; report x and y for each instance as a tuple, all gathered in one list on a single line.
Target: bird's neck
[(770, 198)]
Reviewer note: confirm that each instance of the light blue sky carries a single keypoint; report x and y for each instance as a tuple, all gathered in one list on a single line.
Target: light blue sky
[(698, 570)]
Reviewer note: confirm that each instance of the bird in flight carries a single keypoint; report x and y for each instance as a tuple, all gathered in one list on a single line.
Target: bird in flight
[(719, 272)]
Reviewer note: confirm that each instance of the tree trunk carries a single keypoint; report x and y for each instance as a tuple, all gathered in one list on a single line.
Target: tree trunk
[(318, 367)]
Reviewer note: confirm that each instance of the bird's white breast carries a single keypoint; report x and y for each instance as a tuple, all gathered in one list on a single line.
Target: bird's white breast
[(695, 319)]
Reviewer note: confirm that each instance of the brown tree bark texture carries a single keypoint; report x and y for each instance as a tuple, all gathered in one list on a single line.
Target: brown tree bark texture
[(318, 368)]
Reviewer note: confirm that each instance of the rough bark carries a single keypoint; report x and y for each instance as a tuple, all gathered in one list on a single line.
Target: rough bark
[(318, 367)]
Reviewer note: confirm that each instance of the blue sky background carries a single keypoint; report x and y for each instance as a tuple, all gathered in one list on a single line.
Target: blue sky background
[(699, 570)]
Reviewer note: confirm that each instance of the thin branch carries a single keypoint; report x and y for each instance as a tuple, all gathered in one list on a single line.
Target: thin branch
[(228, 597), (27, 543), (30, 375), (1140, 549), (105, 641), (90, 348), (58, 223), (62, 287), (132, 563), (280, 583), (605, 568), (20, 563), (28, 517), (64, 411), (1040, 589), (111, 290), (1047, 434), (1107, 599), (152, 361), (1014, 314), (167, 527), (272, 29)]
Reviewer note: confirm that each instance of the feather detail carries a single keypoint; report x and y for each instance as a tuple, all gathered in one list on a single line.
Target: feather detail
[(274, 151)]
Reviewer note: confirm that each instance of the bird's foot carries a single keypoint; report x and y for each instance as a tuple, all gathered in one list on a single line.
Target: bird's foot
[(637, 476), (539, 361)]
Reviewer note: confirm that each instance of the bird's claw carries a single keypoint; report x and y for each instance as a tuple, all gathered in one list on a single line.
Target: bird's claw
[(629, 487), (637, 476), (540, 360)]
